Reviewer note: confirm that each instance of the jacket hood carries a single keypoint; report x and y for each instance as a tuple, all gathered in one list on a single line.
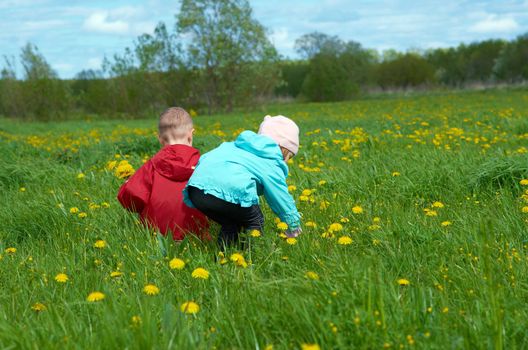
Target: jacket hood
[(260, 145), (176, 162)]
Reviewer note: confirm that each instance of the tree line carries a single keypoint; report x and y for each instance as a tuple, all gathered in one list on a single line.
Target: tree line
[(218, 57)]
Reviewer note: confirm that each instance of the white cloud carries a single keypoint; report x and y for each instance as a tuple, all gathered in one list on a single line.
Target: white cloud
[(20, 3), (94, 63), (63, 67), (281, 39), (493, 24), (143, 27), (41, 25), (99, 22)]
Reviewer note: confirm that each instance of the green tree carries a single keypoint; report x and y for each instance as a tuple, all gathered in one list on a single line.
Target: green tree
[(512, 63), (327, 79), (311, 44), (293, 74), (35, 65), (336, 69), (44, 95), (409, 70), (465, 63), (228, 50), (11, 98), (159, 52)]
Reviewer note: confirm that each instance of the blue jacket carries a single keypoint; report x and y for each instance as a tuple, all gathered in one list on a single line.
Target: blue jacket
[(240, 171)]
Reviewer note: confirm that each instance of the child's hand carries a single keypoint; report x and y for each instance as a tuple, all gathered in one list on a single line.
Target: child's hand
[(293, 233)]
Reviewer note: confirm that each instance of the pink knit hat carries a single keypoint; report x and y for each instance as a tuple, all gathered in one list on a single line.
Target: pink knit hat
[(282, 130)]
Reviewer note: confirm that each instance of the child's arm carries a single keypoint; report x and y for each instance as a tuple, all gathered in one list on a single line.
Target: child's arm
[(135, 192), (280, 200)]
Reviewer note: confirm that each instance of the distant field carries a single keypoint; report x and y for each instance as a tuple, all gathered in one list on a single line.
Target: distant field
[(415, 218)]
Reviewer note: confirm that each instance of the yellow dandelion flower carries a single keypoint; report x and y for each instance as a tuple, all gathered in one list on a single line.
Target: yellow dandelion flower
[(446, 223), (38, 307), (111, 165), (291, 241), (344, 220), (200, 272), (304, 198), (524, 182), (124, 170), (82, 215), (305, 346), (410, 339), (335, 227), (322, 183), (311, 224), (524, 209), (282, 226), (312, 275), (255, 233), (327, 235), (283, 235), (445, 310), (61, 278), (10, 250), (105, 205), (431, 213), (292, 188), (115, 274), (438, 204), (22, 189), (376, 242), (136, 320), (357, 210), (307, 192), (324, 205), (81, 176), (95, 296), (93, 206), (269, 347), (376, 220), (189, 307), (100, 244), (238, 259), (403, 282), (74, 210), (151, 289), (176, 264), (344, 240), (395, 174)]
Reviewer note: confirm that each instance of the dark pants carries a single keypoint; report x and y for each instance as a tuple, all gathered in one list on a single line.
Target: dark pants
[(231, 217)]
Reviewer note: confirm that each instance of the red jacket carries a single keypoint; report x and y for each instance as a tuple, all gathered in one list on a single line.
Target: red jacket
[(155, 192)]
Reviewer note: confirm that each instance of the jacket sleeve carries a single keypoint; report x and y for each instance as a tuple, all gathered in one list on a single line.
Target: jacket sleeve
[(279, 199), (135, 192)]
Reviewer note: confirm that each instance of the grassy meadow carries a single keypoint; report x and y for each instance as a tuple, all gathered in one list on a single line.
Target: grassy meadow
[(415, 218)]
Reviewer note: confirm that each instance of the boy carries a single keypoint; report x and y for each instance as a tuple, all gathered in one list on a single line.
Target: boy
[(155, 190)]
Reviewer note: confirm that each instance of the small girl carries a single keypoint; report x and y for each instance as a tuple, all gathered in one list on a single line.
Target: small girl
[(228, 180)]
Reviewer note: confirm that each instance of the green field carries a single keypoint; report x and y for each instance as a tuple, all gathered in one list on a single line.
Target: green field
[(415, 222)]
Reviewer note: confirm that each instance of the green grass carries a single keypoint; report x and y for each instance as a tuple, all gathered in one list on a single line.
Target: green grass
[(393, 157)]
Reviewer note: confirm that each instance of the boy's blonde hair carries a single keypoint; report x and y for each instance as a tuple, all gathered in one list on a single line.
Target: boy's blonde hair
[(174, 123)]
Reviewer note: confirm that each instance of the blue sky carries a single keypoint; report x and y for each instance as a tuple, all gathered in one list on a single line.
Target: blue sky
[(75, 35)]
